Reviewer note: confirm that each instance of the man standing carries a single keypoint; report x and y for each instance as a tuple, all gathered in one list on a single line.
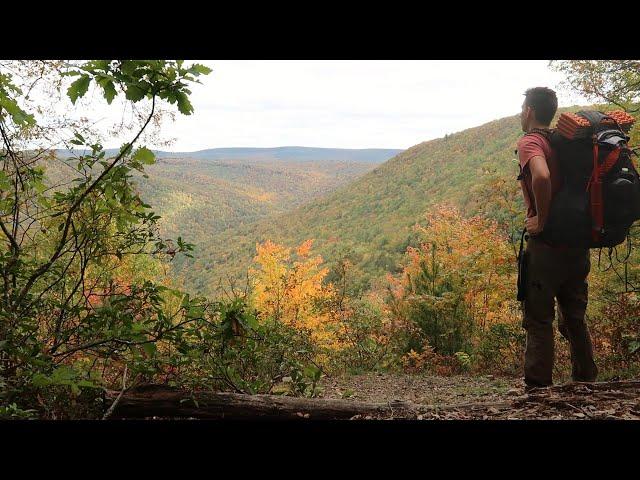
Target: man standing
[(552, 271)]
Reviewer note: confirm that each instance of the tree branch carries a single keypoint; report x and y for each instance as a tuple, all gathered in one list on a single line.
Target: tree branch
[(45, 267)]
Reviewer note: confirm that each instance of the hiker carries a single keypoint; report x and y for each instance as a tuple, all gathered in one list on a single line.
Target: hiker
[(549, 271)]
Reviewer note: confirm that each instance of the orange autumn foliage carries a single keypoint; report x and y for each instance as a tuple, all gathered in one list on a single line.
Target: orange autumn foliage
[(291, 289), (470, 254)]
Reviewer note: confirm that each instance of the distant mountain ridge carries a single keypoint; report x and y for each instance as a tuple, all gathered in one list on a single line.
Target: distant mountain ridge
[(299, 154)]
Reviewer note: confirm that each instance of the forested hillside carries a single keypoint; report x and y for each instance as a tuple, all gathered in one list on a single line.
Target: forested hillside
[(199, 196), (370, 220)]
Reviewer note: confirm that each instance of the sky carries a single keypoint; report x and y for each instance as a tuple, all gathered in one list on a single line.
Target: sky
[(352, 104)]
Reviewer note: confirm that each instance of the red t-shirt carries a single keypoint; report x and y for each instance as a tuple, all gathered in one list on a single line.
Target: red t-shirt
[(529, 146)]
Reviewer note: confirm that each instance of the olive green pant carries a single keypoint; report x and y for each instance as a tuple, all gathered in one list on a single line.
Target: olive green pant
[(561, 274)]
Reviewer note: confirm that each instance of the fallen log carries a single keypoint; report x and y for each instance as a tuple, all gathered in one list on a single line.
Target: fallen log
[(165, 402), (162, 401)]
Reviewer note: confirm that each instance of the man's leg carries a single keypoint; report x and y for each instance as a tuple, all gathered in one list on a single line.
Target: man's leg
[(572, 306), (539, 313)]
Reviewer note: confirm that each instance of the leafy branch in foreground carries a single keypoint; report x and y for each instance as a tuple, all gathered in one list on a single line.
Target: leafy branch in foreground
[(64, 298)]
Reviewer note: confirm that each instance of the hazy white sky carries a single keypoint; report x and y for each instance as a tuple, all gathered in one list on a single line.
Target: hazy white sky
[(352, 104)]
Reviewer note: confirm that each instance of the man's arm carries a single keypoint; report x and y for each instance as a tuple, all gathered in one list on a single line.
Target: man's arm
[(541, 186)]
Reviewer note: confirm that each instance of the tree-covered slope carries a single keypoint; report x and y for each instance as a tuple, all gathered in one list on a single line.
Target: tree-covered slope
[(371, 219), (201, 198)]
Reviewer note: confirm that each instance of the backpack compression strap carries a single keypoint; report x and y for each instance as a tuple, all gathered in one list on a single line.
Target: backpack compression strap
[(594, 187)]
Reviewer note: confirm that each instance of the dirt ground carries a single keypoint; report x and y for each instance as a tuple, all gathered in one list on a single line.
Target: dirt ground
[(423, 389), (486, 397)]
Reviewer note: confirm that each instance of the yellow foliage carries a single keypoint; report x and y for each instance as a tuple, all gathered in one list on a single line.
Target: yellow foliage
[(471, 253), (291, 290)]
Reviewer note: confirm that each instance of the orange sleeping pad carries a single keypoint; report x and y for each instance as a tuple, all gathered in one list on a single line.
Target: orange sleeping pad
[(571, 125)]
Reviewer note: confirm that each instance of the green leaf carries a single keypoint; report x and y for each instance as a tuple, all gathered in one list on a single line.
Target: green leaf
[(134, 93), (78, 88), (313, 372), (195, 312), (63, 374), (4, 181), (145, 156), (21, 118), (184, 105), (87, 383), (185, 301), (18, 115), (198, 69), (39, 186), (40, 380), (137, 327), (128, 67), (149, 348), (109, 91)]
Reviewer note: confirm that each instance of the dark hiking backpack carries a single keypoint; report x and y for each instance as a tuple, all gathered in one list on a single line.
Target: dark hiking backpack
[(600, 195)]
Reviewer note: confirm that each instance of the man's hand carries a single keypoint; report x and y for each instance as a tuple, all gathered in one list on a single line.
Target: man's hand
[(533, 228)]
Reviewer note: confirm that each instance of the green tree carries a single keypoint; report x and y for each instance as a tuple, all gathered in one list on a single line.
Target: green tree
[(613, 81), (63, 308)]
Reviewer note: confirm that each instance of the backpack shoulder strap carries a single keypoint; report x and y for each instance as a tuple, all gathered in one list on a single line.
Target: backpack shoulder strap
[(545, 132)]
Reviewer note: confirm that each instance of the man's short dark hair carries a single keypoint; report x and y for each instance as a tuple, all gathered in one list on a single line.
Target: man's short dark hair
[(544, 102)]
